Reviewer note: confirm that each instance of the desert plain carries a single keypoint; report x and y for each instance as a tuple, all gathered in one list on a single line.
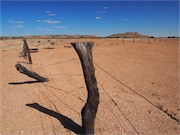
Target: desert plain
[(138, 84)]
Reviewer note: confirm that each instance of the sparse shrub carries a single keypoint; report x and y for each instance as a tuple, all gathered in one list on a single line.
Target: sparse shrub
[(39, 41), (52, 43), (171, 37)]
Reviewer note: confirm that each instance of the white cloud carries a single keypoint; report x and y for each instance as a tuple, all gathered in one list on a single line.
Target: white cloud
[(48, 12), (18, 22), (38, 21), (59, 27), (103, 11), (39, 29), (105, 7), (49, 21), (98, 17), (125, 19), (99, 12), (47, 29), (51, 14), (44, 29), (18, 26)]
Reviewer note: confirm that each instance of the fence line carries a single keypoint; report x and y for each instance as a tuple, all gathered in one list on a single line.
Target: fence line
[(172, 117), (119, 110)]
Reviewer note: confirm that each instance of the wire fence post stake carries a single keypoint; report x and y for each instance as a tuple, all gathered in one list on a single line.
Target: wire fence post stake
[(88, 112), (26, 51)]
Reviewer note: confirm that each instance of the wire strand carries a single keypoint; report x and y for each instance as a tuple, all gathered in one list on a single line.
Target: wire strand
[(177, 120)]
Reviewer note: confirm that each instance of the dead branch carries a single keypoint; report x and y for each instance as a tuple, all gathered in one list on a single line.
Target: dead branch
[(31, 74)]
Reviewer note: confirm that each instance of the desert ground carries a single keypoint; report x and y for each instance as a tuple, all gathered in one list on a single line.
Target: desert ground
[(138, 85)]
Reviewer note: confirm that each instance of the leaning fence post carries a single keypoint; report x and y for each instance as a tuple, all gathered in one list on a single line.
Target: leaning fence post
[(88, 112), (26, 51), (31, 74)]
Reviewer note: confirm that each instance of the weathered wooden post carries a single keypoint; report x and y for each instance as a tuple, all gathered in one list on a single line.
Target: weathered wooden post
[(133, 40), (25, 47), (148, 40), (31, 74), (88, 112), (123, 40), (26, 51), (160, 39)]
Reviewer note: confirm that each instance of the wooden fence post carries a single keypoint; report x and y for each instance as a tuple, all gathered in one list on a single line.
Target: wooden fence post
[(26, 51), (31, 74), (88, 112), (123, 40), (160, 39)]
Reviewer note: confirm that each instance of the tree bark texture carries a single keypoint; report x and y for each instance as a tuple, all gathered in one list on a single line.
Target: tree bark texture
[(31, 74), (88, 112), (26, 52)]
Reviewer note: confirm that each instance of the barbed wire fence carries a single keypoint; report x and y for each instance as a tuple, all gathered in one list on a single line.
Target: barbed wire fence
[(49, 95)]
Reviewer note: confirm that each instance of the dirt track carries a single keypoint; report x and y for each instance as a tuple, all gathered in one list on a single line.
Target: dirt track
[(138, 84)]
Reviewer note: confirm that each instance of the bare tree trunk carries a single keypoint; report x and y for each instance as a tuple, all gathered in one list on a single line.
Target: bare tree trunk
[(31, 74), (26, 51), (88, 112)]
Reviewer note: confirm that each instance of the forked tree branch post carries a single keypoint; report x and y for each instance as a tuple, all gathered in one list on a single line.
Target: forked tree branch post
[(26, 52), (88, 112)]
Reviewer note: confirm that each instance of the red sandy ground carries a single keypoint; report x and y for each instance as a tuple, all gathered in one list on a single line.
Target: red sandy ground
[(138, 86)]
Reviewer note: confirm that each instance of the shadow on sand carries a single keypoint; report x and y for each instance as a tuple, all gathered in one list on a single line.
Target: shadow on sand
[(26, 82), (65, 121)]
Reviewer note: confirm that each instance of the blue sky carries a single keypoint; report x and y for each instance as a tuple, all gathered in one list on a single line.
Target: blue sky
[(100, 18)]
